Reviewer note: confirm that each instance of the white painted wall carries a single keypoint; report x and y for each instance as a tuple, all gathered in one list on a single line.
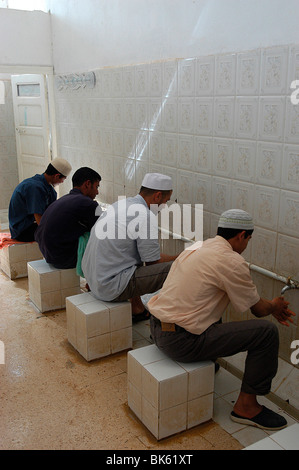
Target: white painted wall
[(25, 38), (98, 33)]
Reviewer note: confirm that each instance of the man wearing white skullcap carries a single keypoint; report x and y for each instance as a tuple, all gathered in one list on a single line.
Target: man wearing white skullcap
[(186, 315), (31, 198), (126, 263)]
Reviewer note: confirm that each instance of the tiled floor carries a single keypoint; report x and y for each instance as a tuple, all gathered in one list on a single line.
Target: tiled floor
[(51, 398)]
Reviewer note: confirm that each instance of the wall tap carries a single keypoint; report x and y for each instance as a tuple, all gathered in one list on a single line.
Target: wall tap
[(288, 287)]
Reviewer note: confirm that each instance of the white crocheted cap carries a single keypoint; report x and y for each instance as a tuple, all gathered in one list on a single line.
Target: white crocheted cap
[(157, 181), (237, 219)]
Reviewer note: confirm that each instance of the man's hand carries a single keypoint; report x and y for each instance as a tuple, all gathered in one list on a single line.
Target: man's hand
[(281, 311)]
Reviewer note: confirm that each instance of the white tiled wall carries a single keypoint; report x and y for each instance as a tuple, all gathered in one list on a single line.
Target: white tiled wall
[(222, 126), (8, 151)]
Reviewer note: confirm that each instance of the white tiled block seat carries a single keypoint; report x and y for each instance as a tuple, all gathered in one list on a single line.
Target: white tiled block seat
[(49, 287), (14, 258), (167, 396), (97, 329)]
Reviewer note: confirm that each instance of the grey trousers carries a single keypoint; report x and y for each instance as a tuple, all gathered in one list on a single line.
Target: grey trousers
[(145, 280), (258, 337)]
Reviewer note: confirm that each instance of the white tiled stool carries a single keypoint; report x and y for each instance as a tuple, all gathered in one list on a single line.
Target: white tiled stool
[(167, 396), (14, 258), (49, 287), (97, 329)]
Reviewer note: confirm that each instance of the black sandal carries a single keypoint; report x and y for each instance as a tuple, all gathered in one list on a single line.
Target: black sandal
[(137, 317)]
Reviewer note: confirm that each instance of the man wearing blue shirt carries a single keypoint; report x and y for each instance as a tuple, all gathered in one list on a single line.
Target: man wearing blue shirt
[(31, 198), (122, 259)]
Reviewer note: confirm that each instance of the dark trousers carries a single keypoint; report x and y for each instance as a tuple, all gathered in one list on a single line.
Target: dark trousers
[(258, 337), (145, 280), (28, 234)]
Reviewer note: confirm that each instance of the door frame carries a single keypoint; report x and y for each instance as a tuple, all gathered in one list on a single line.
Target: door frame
[(48, 72)]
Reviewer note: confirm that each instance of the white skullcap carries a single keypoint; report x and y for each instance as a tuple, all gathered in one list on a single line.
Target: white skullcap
[(237, 219), (62, 166), (157, 181)]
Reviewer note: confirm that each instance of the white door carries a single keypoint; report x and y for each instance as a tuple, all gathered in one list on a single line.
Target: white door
[(31, 115)]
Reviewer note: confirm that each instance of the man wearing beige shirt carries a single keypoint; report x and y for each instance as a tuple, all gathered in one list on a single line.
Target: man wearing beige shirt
[(186, 315)]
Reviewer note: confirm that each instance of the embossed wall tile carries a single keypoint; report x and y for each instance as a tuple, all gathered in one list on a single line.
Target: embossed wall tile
[(107, 170), (107, 140), (263, 251), (293, 67), (264, 285), (274, 70), (289, 213), (117, 113), (203, 116), (268, 164), (186, 115), (186, 77), (129, 113), (248, 73), (185, 151), (292, 122), (203, 154), (155, 79), (272, 115), (142, 145), (170, 150), (129, 171), (244, 160), (290, 167), (202, 185), (155, 147), (107, 112), (141, 110), (184, 187), (243, 196), (170, 115), (173, 173), (246, 115), (128, 81), (117, 82), (118, 142), (221, 194), (205, 76), (119, 170), (170, 78), (155, 114), (225, 83), (266, 206), (142, 80), (129, 142), (224, 117), (287, 260), (222, 157), (106, 83)]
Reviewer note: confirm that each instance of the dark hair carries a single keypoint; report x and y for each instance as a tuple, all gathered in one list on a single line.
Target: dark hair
[(85, 174), (52, 171), (150, 192), (228, 233)]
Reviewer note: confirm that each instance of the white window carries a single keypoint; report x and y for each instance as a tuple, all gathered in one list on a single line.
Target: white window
[(25, 4)]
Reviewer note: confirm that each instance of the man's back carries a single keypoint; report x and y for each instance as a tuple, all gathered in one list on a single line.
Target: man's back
[(61, 226)]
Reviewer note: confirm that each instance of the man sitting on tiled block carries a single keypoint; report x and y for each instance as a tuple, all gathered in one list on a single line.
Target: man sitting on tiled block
[(69, 218), (186, 315), (31, 198), (118, 247)]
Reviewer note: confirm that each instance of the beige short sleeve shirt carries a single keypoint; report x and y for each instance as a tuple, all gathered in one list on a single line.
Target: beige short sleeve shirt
[(200, 285)]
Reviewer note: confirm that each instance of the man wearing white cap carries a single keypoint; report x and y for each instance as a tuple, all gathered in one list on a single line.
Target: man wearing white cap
[(31, 198), (125, 261), (186, 315)]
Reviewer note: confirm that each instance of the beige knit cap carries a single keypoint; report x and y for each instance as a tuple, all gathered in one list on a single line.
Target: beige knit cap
[(62, 166), (237, 219)]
